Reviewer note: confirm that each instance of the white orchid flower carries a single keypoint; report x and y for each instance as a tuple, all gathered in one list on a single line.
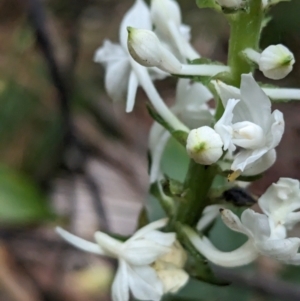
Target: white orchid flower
[(166, 16), (124, 75), (191, 107), (275, 62), (248, 123), (136, 257), (146, 49), (279, 203), (267, 233)]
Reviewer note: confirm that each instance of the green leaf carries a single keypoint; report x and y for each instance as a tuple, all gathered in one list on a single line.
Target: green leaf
[(43, 153), (17, 106), (180, 136), (21, 202)]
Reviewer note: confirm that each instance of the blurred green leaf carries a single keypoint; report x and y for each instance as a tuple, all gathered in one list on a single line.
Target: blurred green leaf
[(24, 38), (21, 202), (17, 105), (42, 154)]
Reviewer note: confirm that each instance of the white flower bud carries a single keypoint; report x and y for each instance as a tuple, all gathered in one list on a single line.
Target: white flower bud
[(204, 145), (276, 61), (145, 48), (231, 3)]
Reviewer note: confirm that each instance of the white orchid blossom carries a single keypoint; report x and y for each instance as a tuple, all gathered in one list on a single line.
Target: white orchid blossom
[(123, 74), (275, 62), (166, 17), (248, 123), (267, 233), (191, 107), (279, 203), (137, 258), (146, 48)]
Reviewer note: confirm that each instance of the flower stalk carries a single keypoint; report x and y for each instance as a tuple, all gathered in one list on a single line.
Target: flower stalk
[(241, 23), (196, 187)]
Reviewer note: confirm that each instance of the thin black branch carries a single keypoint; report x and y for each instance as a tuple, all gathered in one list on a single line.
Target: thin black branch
[(37, 17)]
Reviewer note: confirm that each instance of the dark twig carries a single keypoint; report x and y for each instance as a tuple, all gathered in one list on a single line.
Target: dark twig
[(37, 17), (272, 287), (74, 153)]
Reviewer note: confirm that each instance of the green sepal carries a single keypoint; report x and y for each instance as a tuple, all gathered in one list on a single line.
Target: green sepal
[(265, 21), (179, 135), (143, 218), (165, 201), (197, 265), (208, 4), (172, 187)]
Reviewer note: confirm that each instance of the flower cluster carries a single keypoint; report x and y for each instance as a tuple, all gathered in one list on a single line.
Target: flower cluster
[(225, 121)]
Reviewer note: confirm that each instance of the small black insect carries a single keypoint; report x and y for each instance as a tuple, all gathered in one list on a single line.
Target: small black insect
[(239, 197)]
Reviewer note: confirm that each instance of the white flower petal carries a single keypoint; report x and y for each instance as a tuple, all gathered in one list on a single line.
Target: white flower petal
[(116, 79), (115, 60), (233, 222), (210, 213), (80, 243), (276, 130), (111, 245), (164, 239), (137, 16), (144, 283), (226, 92), (109, 52), (157, 154), (247, 157), (281, 249), (255, 223), (191, 92), (142, 252), (148, 228), (131, 92), (120, 286), (257, 102), (293, 218), (261, 165), (223, 126), (241, 256)]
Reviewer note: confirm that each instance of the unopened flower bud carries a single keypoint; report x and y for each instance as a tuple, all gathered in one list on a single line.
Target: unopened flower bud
[(145, 48), (276, 61), (235, 4), (204, 145)]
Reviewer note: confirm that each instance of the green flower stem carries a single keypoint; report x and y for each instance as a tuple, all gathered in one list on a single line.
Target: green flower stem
[(196, 187), (245, 33)]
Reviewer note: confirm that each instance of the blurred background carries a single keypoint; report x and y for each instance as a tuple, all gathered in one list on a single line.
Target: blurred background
[(70, 157)]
